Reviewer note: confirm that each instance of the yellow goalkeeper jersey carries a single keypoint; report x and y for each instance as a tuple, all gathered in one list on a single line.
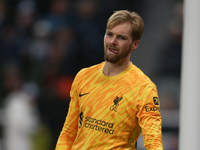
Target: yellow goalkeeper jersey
[(110, 112)]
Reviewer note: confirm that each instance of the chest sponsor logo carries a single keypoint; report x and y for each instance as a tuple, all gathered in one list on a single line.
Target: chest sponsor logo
[(116, 103), (96, 124)]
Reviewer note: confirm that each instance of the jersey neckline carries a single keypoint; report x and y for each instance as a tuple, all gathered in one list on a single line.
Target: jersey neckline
[(116, 76)]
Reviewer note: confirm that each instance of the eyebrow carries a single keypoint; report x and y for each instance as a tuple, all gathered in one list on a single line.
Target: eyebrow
[(107, 31)]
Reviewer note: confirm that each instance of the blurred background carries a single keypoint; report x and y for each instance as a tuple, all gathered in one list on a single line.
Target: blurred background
[(44, 43)]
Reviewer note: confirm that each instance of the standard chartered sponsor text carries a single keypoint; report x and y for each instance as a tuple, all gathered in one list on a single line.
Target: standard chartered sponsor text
[(99, 125)]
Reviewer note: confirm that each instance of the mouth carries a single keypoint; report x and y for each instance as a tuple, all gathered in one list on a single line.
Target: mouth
[(112, 50)]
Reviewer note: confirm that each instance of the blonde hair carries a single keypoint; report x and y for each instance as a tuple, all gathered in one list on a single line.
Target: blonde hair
[(133, 18)]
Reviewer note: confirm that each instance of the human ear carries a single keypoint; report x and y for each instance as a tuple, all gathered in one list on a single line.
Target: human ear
[(135, 44)]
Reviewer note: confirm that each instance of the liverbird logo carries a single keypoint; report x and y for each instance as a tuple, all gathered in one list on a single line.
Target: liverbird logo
[(116, 103)]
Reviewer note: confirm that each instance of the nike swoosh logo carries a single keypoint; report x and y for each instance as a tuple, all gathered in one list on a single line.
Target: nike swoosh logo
[(80, 95)]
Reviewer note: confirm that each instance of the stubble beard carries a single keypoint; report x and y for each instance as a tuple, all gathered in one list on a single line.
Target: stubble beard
[(115, 58)]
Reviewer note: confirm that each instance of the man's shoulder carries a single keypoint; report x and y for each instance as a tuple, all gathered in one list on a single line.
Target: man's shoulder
[(90, 70), (137, 75)]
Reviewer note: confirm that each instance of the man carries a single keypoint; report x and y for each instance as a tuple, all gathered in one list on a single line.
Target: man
[(112, 102)]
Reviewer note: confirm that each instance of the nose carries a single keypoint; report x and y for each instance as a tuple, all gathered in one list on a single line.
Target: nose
[(113, 40)]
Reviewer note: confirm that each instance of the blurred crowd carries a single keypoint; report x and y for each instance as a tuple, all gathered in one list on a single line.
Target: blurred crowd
[(43, 44)]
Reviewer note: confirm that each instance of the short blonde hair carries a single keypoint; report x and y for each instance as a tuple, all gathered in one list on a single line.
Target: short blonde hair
[(133, 18)]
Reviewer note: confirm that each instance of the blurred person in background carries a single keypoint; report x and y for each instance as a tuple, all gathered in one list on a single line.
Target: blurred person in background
[(19, 110), (168, 77), (87, 25), (3, 13), (26, 15), (15, 33), (57, 77), (65, 41), (35, 51), (59, 14), (171, 62)]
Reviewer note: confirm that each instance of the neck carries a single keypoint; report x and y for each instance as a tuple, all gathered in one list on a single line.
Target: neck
[(113, 69)]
